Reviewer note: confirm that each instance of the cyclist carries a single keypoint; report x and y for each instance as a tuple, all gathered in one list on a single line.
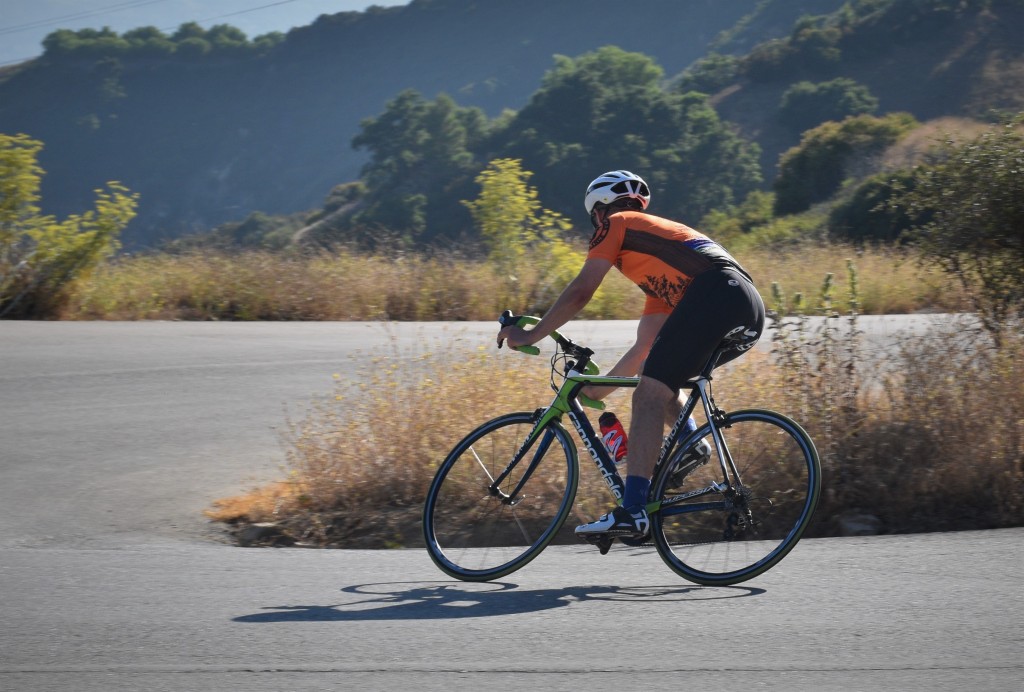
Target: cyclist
[(697, 296)]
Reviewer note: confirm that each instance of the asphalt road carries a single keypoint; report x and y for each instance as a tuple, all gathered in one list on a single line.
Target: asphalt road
[(114, 437)]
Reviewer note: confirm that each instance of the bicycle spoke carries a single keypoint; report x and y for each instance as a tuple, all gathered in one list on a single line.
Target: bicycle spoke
[(481, 464), (522, 528), (477, 537), (759, 521)]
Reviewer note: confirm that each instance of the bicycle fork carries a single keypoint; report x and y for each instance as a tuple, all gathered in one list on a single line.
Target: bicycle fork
[(513, 498)]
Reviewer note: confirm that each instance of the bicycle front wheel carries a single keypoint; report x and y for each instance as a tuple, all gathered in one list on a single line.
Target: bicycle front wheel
[(717, 531), (476, 529)]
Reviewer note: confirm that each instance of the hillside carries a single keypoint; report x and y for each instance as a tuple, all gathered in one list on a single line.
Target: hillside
[(210, 126), (930, 59), (211, 133)]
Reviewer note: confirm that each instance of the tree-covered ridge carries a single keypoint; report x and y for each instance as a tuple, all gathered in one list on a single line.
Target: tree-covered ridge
[(210, 126), (820, 46), (208, 137), (931, 58), (189, 41)]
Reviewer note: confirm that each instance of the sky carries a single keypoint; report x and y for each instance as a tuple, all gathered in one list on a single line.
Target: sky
[(25, 23)]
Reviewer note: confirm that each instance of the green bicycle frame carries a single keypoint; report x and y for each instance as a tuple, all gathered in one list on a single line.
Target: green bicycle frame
[(569, 402)]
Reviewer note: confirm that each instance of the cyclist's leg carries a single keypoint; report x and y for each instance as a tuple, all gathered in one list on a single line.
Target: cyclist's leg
[(719, 305), (715, 304), (647, 425)]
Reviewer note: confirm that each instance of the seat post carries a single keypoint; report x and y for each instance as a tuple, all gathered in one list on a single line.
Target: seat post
[(712, 361)]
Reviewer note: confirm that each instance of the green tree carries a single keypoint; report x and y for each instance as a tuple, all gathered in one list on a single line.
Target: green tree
[(709, 74), (829, 154), (608, 110), (189, 30), (265, 42), (149, 40), (518, 229), (60, 43), (85, 43), (815, 42), (812, 50), (972, 202), (193, 47), (733, 222), (806, 104), (867, 215), (227, 38), (419, 155), (505, 210), (39, 256)]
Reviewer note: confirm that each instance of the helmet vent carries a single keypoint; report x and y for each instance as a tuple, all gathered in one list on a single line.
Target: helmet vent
[(614, 186)]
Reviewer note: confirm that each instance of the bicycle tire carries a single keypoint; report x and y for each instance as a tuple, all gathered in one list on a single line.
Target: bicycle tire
[(474, 535), (710, 539)]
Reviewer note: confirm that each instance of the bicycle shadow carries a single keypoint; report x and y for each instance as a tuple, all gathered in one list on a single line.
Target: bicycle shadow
[(461, 600)]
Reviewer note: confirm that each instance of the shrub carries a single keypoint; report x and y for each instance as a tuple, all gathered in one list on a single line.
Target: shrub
[(814, 171), (968, 211), (806, 104), (41, 257), (867, 216), (709, 74)]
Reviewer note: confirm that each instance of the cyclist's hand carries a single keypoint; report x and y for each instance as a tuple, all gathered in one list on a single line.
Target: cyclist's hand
[(516, 336)]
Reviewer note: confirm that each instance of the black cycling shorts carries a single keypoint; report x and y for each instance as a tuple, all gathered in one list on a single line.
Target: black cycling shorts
[(719, 303)]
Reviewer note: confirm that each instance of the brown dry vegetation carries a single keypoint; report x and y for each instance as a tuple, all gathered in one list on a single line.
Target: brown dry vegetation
[(935, 442), (914, 147), (259, 285)]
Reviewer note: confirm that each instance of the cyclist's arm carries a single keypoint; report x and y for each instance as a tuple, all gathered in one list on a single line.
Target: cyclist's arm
[(633, 359), (574, 298)]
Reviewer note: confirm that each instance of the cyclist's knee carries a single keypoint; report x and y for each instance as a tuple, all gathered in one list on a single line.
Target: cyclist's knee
[(652, 393)]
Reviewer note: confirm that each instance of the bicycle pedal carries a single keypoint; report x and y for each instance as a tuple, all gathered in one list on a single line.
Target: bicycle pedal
[(604, 544)]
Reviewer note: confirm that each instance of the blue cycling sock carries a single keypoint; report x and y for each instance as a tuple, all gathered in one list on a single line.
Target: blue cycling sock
[(636, 491)]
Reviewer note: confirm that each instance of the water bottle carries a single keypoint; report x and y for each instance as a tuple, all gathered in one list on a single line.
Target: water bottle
[(613, 435)]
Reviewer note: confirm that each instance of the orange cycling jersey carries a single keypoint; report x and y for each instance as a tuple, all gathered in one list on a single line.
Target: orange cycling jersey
[(660, 256)]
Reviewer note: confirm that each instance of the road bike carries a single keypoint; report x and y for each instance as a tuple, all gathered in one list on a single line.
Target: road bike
[(728, 501)]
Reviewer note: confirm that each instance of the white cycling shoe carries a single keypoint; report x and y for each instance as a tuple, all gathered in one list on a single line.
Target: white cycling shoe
[(619, 522)]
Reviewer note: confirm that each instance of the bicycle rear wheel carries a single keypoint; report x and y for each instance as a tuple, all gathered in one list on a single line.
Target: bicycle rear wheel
[(476, 533), (737, 530)]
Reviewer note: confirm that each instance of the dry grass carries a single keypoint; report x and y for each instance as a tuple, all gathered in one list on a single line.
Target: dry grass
[(933, 441), (259, 285), (891, 281), (914, 147)]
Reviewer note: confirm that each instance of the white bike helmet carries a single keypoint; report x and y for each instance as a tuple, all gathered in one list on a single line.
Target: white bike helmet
[(617, 185)]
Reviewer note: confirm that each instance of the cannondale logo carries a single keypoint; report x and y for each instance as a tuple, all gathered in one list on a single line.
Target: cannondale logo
[(593, 453)]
